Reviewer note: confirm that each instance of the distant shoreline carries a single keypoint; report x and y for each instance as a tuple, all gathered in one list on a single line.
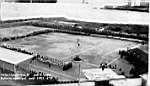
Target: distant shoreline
[(130, 8)]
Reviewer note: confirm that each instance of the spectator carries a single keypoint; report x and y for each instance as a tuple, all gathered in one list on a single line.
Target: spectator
[(103, 66)]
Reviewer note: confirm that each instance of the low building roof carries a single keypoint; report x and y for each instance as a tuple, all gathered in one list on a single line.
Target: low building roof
[(99, 74), (13, 57)]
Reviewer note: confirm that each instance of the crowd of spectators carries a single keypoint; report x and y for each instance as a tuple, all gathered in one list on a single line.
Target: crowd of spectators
[(86, 30), (44, 59)]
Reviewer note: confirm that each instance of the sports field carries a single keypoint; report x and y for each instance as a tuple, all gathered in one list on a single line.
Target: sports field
[(61, 46), (92, 50)]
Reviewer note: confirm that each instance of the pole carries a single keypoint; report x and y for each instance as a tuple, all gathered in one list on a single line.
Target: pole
[(15, 72), (79, 74), (3, 66)]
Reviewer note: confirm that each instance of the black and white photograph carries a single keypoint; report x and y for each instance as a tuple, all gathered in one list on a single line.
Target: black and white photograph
[(74, 43)]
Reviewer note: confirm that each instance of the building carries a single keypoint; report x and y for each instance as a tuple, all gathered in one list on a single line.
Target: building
[(12, 61), (138, 2), (99, 74)]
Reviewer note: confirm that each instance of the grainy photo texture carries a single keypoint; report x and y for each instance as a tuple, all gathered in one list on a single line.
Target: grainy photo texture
[(74, 42)]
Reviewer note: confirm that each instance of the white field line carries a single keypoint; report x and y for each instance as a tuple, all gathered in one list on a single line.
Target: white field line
[(92, 64), (104, 57), (113, 61), (114, 51), (92, 49)]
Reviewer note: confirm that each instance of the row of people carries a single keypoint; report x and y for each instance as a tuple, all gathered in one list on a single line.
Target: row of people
[(16, 49)]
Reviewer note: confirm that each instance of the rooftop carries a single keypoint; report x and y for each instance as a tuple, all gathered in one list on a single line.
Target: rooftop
[(13, 57), (98, 74)]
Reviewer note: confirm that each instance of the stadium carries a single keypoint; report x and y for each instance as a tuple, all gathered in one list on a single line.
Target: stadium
[(55, 50)]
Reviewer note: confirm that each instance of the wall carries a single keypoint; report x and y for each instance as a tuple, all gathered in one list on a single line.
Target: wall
[(6, 66)]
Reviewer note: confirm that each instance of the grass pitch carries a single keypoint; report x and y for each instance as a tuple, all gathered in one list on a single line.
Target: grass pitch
[(93, 50)]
